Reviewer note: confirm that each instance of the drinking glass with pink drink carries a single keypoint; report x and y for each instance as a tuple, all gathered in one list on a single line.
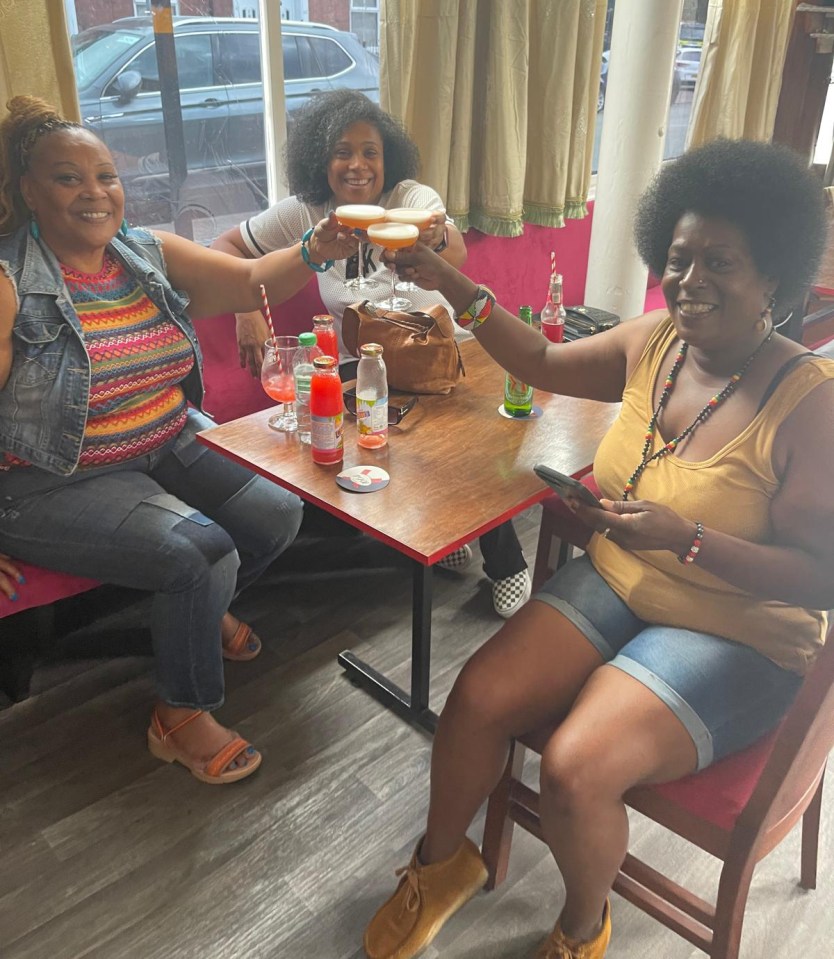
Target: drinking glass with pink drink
[(421, 219), (394, 236), (278, 381), (359, 216)]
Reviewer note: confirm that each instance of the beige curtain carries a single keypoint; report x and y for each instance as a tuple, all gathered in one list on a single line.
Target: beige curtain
[(35, 54), (501, 99), (745, 42)]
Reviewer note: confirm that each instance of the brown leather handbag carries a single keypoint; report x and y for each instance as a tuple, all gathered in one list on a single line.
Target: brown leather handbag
[(419, 349)]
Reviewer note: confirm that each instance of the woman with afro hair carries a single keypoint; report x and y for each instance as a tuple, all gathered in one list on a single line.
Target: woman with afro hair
[(683, 632), (342, 148)]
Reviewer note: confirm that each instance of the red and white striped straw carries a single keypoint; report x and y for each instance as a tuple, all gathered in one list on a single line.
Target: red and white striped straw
[(268, 314), (552, 262)]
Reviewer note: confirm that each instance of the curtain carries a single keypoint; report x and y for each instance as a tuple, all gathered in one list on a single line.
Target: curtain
[(745, 42), (500, 98), (35, 55)]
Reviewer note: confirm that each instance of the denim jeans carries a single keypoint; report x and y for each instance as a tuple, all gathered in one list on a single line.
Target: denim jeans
[(184, 523)]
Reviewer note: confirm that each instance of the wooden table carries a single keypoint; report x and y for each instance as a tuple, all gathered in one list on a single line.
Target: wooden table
[(457, 468)]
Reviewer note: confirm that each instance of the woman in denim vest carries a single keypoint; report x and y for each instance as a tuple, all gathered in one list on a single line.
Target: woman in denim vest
[(100, 386)]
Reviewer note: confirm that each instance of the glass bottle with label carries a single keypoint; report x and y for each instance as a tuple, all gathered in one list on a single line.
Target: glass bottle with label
[(302, 368), (553, 313), (371, 398), (518, 396), (326, 411)]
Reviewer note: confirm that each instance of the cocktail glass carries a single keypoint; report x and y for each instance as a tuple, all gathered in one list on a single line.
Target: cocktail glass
[(278, 382), (359, 216), (394, 236), (421, 219)]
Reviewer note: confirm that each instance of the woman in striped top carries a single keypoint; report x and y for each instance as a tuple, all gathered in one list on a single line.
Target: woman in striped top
[(100, 389)]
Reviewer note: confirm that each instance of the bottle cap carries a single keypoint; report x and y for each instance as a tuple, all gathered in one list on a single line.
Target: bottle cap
[(370, 349), (307, 339), (323, 318), (324, 362)]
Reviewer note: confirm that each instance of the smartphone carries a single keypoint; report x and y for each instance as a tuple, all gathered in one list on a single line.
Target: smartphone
[(566, 486)]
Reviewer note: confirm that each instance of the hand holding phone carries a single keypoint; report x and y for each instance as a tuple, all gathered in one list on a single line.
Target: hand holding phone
[(566, 486)]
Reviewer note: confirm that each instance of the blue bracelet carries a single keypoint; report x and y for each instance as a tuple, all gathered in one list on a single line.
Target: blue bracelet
[(305, 254)]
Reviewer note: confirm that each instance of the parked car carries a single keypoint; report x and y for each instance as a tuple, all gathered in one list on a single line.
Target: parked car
[(219, 67), (687, 64)]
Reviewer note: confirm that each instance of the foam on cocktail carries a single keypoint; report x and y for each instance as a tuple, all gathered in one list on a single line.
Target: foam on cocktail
[(404, 214), (359, 215), (393, 236)]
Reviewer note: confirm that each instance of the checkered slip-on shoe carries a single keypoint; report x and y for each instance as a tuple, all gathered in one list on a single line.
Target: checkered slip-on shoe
[(456, 560), (511, 593)]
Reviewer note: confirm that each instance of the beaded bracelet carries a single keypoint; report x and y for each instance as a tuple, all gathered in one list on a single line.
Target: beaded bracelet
[(305, 254), (692, 554), (478, 310)]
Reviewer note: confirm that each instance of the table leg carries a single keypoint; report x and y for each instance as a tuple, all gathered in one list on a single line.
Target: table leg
[(413, 707)]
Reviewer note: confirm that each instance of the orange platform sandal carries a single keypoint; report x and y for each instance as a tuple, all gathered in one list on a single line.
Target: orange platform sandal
[(243, 646), (214, 771)]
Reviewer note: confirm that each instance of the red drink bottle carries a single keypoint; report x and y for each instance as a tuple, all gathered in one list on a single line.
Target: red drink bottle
[(326, 414), (326, 335), (553, 313)]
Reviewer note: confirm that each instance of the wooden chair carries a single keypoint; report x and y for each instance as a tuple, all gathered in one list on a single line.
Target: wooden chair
[(738, 810)]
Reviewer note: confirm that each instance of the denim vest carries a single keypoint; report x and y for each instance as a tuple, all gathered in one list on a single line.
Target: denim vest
[(44, 404)]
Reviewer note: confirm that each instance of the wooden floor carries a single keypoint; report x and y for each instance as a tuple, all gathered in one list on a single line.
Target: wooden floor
[(108, 854)]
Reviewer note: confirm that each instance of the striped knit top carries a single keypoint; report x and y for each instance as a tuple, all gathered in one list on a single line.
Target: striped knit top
[(137, 361)]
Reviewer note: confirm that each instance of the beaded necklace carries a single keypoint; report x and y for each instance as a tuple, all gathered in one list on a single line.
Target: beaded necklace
[(705, 413)]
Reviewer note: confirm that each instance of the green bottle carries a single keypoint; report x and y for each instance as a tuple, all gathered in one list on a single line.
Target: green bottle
[(518, 396)]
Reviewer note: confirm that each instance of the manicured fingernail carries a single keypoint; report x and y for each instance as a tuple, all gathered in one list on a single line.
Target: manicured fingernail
[(13, 597), (21, 578)]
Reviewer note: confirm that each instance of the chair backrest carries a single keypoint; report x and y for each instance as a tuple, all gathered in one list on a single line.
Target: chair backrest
[(804, 740)]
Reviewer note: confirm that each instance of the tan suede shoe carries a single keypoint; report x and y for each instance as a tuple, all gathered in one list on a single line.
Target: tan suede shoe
[(425, 898), (558, 946)]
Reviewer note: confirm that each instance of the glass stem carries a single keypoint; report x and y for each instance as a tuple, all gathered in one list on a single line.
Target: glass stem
[(360, 273)]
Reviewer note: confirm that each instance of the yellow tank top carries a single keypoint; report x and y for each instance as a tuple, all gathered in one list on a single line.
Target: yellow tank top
[(731, 492)]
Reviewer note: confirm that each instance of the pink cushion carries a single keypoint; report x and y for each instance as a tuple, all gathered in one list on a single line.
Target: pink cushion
[(654, 298), (720, 792), (517, 268), (43, 586), (231, 391)]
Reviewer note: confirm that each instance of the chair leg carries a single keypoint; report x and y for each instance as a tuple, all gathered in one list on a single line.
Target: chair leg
[(733, 889), (498, 828), (810, 841)]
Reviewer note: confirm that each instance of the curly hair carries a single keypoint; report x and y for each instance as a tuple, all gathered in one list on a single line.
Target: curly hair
[(315, 129), (764, 190), (29, 119)]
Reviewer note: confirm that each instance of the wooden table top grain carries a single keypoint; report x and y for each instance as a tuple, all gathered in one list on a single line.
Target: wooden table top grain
[(458, 468)]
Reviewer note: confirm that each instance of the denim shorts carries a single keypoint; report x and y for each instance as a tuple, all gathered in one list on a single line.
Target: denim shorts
[(725, 693)]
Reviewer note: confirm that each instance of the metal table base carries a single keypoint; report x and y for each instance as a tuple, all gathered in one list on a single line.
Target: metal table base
[(413, 707)]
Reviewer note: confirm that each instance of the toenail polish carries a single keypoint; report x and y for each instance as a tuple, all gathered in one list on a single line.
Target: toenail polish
[(251, 750)]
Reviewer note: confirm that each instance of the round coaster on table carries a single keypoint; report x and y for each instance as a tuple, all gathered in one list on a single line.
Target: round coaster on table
[(535, 413), (363, 479)]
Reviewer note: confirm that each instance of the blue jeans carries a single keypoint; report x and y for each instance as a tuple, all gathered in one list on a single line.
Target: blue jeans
[(724, 693), (184, 523)]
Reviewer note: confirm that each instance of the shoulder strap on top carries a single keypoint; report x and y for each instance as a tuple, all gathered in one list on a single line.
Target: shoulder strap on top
[(780, 374)]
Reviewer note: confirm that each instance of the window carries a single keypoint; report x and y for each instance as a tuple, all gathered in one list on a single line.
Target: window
[(240, 58), (194, 64), (292, 61), (143, 7), (364, 22), (329, 57)]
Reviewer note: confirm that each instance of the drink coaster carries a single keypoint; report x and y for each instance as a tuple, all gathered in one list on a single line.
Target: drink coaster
[(534, 414), (363, 479)]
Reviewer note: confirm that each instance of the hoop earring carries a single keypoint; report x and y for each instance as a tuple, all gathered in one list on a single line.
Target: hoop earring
[(123, 228), (34, 229)]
